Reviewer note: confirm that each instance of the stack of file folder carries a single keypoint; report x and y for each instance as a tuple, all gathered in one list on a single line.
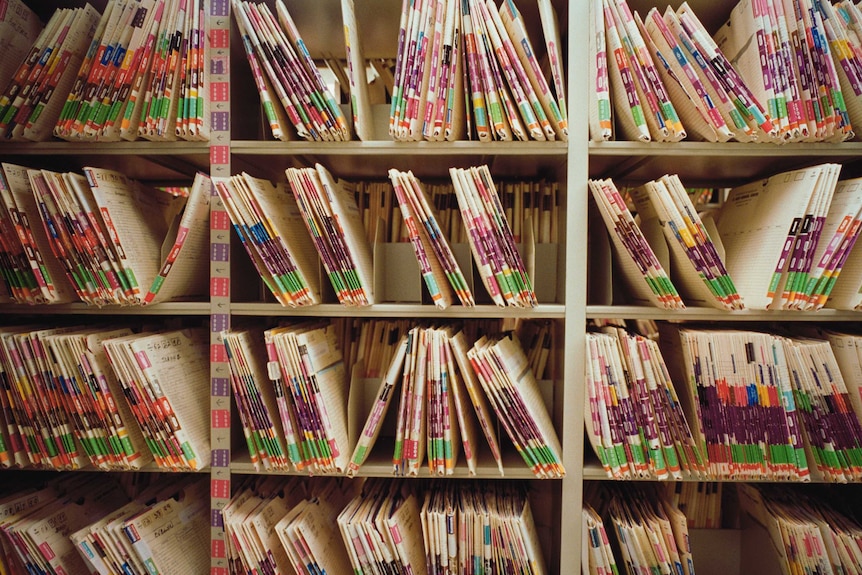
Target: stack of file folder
[(268, 221), (696, 261), (269, 521), (644, 273), (163, 529), (64, 407), (256, 400), (329, 211), (115, 240), (839, 285), (807, 533), (775, 72), (381, 526), (451, 51), (778, 243), (440, 270), (510, 386), (445, 529), (432, 408), (452, 518), (306, 369), (797, 61), (295, 99), (19, 28), (831, 424), (625, 69), (767, 406), (650, 534), (144, 75), (164, 376), (637, 425), (37, 524), (80, 376), (772, 232), (745, 425), (30, 102), (495, 253), (598, 559)]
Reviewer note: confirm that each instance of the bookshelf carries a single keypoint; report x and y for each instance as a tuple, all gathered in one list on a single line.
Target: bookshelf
[(239, 143), (718, 165)]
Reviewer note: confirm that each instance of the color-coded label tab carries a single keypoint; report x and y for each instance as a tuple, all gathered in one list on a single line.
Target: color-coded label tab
[(219, 38), (220, 287), (219, 7), (220, 387), (220, 458), (220, 418), (219, 154)]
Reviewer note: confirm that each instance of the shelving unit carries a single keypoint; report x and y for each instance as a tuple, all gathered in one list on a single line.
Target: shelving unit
[(239, 144), (714, 165)]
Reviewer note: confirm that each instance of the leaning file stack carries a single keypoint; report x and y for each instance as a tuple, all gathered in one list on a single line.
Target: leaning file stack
[(164, 378), (306, 369), (295, 99), (450, 51), (331, 216), (776, 71), (30, 103), (637, 426), (268, 221), (144, 76)]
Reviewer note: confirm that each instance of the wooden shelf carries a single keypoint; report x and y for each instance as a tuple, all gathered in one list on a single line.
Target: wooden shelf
[(710, 314), (168, 308), (708, 164), (549, 311), (378, 465)]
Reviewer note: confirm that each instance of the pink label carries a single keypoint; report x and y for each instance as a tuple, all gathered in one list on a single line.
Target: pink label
[(46, 551), (143, 360)]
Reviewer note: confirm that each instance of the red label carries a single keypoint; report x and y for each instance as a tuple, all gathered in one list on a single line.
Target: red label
[(219, 38), (220, 287), (220, 418), (219, 220), (219, 91), (219, 155), (220, 489), (218, 354)]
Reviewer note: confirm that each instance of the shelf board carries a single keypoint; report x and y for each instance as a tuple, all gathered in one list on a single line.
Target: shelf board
[(143, 147), (80, 308), (378, 465), (709, 314), (428, 160), (592, 471), (705, 163), (542, 311), (158, 163), (374, 148)]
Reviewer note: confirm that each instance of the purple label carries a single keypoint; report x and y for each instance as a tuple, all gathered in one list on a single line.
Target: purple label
[(220, 121), (216, 518), (219, 7), (220, 322), (220, 457), (220, 387), (219, 252)]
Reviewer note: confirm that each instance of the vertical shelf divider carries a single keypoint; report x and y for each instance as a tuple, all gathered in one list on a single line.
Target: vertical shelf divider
[(218, 40)]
